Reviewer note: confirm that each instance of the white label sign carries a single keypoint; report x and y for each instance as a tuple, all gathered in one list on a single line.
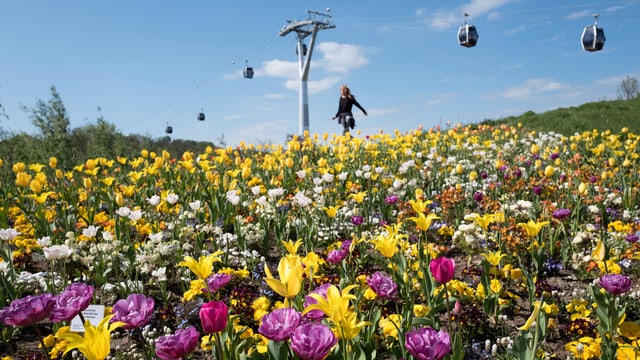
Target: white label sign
[(93, 313)]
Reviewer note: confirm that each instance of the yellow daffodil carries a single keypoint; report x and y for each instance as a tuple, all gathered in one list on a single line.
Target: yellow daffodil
[(423, 222), (203, 267), (533, 227), (290, 271), (420, 206), (96, 342)]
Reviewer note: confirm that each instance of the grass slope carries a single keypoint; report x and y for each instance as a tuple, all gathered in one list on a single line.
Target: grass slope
[(602, 115)]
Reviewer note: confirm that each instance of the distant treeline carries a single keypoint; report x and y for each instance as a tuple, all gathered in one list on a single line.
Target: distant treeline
[(55, 138)]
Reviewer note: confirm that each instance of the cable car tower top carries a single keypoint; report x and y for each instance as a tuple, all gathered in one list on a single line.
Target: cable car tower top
[(315, 22)]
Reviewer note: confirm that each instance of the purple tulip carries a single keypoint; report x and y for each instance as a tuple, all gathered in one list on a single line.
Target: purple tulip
[(217, 281), (561, 214), (554, 156), (279, 324), (517, 172), (484, 175), (214, 316), (391, 199), (71, 301), (346, 245), (312, 341), (178, 345), (27, 310), (135, 311), (308, 300), (477, 196), (357, 220), (632, 238), (383, 285), (537, 190), (442, 269), (426, 343), (336, 255), (615, 284), (593, 179)]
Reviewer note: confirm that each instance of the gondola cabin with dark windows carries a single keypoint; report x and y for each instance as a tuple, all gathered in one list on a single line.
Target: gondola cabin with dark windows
[(304, 50), (467, 34), (168, 129), (248, 71), (593, 37), (201, 115)]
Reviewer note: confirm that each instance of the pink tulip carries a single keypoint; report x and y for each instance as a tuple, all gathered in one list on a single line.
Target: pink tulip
[(442, 269), (214, 316)]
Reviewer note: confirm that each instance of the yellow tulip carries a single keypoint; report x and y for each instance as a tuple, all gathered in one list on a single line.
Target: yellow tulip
[(331, 211), (96, 343), (335, 305), (203, 267), (494, 257), (423, 222), (358, 197), (291, 247), (533, 227), (481, 220), (533, 317), (290, 271), (23, 179), (53, 162)]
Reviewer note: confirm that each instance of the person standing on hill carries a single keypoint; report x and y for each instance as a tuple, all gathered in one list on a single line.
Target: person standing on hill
[(344, 114)]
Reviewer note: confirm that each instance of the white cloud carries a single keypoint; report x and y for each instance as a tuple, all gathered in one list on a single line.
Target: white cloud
[(275, 96), (579, 15), (340, 58), (329, 58), (532, 87), (441, 98), (445, 19), (259, 133)]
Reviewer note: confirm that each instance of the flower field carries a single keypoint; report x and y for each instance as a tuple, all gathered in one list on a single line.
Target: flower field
[(473, 242)]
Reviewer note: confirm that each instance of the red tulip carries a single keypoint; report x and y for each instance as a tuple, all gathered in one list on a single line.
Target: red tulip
[(214, 316), (442, 269)]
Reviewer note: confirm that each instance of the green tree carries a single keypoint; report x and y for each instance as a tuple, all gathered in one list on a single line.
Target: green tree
[(628, 88), (52, 120)]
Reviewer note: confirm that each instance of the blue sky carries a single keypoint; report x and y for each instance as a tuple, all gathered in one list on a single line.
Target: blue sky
[(147, 64)]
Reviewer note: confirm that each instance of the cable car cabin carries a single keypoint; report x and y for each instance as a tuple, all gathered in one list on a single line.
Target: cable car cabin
[(593, 38), (168, 130), (201, 116), (304, 50), (467, 35), (247, 72)]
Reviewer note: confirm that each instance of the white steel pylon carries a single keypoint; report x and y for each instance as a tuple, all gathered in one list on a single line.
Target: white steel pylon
[(316, 21)]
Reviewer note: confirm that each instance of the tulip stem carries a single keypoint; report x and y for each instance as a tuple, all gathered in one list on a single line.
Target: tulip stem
[(44, 347), (220, 354), (7, 343)]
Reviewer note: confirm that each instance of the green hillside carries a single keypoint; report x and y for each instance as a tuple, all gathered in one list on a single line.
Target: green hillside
[(602, 115)]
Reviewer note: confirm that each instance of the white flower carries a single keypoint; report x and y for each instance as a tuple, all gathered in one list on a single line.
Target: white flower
[(172, 198), (255, 190), (108, 236), (91, 231), (157, 237), (135, 215), (262, 200), (160, 274), (327, 177), (154, 200), (8, 234), (123, 211), (301, 174), (195, 205), (301, 199), (232, 197), (56, 252), (274, 193), (343, 176), (44, 241)]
